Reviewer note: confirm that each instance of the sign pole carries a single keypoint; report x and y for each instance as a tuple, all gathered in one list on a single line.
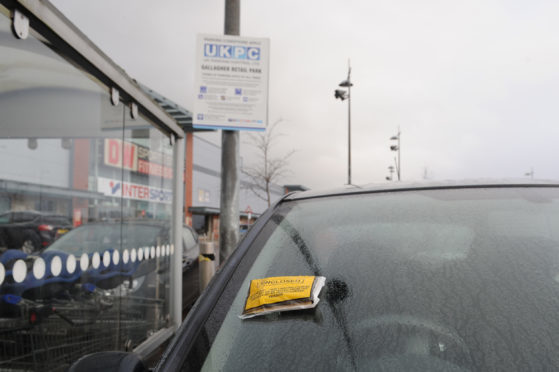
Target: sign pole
[(230, 160)]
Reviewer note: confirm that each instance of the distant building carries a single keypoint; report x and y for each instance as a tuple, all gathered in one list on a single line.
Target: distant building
[(206, 191)]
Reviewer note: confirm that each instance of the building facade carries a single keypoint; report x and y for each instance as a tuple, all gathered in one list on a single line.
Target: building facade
[(206, 181)]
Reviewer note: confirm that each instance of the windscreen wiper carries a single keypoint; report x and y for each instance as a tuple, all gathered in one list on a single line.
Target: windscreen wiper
[(336, 289)]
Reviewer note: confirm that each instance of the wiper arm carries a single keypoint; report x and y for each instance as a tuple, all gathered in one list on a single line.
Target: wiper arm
[(293, 233), (331, 285)]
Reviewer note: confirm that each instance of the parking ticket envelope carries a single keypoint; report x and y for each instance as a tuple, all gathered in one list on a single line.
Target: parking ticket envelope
[(282, 293)]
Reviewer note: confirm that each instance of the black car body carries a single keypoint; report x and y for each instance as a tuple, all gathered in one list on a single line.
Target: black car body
[(449, 277), (103, 237), (31, 231), (105, 242), (190, 269)]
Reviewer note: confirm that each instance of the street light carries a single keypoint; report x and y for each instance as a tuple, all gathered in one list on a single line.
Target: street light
[(396, 147), (391, 170), (343, 95)]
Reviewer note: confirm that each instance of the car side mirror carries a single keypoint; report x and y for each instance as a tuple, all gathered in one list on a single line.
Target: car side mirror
[(109, 361)]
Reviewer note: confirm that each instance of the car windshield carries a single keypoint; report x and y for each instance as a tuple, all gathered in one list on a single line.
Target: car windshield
[(99, 237), (57, 220), (448, 279)]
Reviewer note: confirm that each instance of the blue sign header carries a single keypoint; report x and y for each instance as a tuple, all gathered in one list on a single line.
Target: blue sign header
[(231, 52)]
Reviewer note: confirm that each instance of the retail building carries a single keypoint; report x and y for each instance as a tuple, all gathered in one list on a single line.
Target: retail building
[(206, 180)]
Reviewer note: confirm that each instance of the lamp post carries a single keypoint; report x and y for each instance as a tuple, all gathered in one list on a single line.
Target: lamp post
[(391, 170), (343, 95), (397, 148)]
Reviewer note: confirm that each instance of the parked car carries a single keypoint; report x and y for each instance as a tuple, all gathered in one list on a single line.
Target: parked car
[(31, 231), (106, 256), (190, 269), (438, 277)]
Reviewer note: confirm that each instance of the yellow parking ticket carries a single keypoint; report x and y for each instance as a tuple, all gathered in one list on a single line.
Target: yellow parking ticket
[(282, 293)]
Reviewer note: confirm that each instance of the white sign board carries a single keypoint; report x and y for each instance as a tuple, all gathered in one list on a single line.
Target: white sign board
[(231, 83)]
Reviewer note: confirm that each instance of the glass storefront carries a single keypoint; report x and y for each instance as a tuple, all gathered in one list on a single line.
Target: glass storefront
[(85, 212)]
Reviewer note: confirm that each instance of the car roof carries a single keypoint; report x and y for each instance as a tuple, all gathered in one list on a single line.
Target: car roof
[(34, 214), (421, 185), (119, 223)]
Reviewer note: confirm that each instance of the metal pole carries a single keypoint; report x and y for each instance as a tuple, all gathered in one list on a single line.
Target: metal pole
[(206, 264), (399, 163), (176, 258), (229, 206), (349, 125)]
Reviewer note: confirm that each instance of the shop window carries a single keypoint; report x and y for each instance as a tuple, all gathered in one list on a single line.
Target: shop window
[(85, 212), (199, 224)]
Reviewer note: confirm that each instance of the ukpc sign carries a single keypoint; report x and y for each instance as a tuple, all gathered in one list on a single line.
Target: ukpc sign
[(231, 83)]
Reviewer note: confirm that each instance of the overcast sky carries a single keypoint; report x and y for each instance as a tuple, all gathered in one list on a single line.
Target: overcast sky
[(473, 85)]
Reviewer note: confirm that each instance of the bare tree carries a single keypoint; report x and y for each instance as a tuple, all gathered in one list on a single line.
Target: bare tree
[(268, 169)]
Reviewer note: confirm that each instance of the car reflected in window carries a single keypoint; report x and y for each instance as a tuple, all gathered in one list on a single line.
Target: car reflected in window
[(31, 231)]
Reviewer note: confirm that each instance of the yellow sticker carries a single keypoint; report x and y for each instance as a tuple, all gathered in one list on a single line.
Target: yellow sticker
[(203, 258), (277, 290)]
